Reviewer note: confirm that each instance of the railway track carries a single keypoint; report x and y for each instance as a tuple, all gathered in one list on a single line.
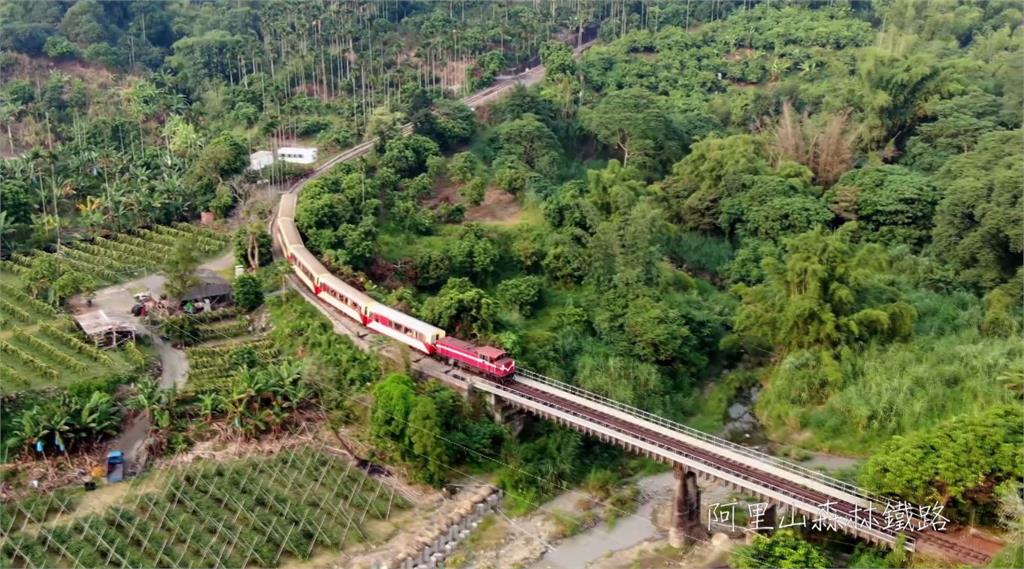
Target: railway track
[(868, 525)]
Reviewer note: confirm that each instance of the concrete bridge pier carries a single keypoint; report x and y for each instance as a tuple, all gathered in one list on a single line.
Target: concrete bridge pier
[(686, 526), (505, 414)]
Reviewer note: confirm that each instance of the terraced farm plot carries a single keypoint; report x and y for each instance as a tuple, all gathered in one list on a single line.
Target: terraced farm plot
[(42, 347), (127, 255), (258, 512), (210, 367)]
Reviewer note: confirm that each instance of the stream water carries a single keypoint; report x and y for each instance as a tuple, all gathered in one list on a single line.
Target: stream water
[(581, 549)]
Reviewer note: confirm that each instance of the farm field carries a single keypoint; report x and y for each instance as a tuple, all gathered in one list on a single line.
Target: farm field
[(45, 349), (213, 364), (110, 260), (41, 345), (261, 511)]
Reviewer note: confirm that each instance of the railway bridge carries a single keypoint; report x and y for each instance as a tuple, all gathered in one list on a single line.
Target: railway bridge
[(785, 488)]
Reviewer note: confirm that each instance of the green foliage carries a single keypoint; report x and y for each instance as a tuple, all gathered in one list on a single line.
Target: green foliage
[(180, 270), (407, 156), (337, 214), (449, 123), (463, 166), (701, 181), (521, 294), (461, 308), (67, 421), (248, 292), (425, 442), (825, 294), (782, 548), (893, 204), (895, 389), (467, 253), (957, 463), (636, 123), (977, 224), (525, 142), (253, 246), (331, 361), (430, 431), (393, 400), (486, 68), (473, 191)]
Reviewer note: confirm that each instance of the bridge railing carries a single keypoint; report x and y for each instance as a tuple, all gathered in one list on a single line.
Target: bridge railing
[(872, 528), (775, 461)]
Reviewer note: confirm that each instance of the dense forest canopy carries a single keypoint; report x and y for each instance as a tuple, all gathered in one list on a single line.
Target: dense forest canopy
[(820, 198)]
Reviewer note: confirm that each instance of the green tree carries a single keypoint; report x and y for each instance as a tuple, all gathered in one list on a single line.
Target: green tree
[(893, 204), (248, 292), (635, 122), (782, 548), (473, 191), (712, 172), (426, 446), (827, 294), (527, 141), (393, 401), (958, 463), (558, 59), (85, 23), (520, 294), (461, 307), (180, 270), (978, 223), (463, 166), (408, 156), (253, 245)]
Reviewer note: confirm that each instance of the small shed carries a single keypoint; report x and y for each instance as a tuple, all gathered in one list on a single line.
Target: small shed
[(210, 286), (260, 159), (105, 331)]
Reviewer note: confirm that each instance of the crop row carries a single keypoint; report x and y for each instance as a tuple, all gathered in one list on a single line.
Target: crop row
[(23, 297), (14, 311), (51, 352), (12, 377), (88, 350), (29, 360), (219, 330), (202, 351), (249, 513)]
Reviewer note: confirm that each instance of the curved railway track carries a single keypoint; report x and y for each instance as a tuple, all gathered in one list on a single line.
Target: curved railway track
[(932, 541)]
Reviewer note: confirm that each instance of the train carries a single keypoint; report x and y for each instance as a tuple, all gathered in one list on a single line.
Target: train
[(489, 361)]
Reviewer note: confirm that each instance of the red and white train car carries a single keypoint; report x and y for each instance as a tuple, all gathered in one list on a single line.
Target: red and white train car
[(402, 327), (344, 297), (307, 267)]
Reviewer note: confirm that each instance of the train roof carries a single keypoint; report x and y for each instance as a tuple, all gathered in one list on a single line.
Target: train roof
[(312, 264), (356, 295), (287, 208), (405, 320), (290, 233), (488, 352)]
